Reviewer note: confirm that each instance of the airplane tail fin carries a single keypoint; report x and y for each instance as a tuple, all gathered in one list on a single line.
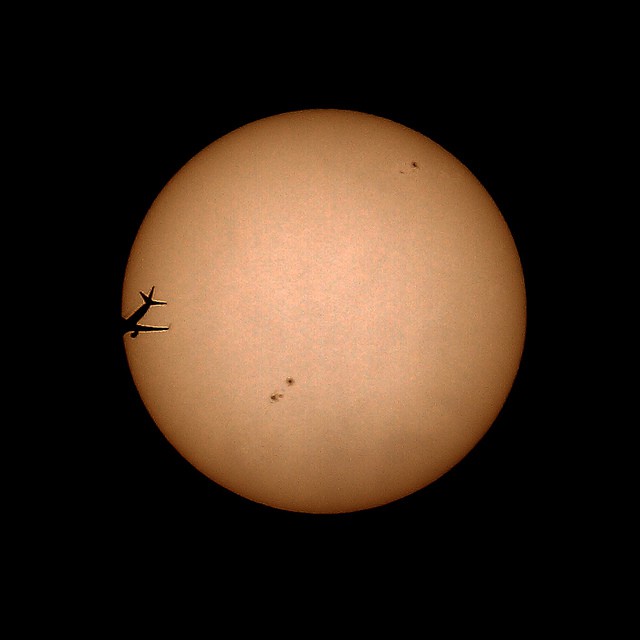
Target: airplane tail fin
[(149, 298)]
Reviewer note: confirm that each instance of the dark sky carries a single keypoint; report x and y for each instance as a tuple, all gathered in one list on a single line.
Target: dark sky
[(509, 501)]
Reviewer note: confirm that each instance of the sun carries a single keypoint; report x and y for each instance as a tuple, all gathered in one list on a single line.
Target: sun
[(345, 311)]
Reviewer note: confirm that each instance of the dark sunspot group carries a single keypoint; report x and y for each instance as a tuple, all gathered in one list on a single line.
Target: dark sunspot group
[(278, 395)]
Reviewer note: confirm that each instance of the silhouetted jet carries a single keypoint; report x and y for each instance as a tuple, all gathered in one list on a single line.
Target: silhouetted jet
[(130, 324)]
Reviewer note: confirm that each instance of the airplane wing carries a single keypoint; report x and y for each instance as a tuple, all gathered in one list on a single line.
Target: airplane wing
[(142, 327)]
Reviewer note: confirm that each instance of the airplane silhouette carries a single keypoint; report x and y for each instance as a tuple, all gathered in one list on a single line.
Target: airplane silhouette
[(130, 324)]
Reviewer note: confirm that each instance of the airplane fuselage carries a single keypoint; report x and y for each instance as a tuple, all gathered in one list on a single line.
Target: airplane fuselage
[(132, 320)]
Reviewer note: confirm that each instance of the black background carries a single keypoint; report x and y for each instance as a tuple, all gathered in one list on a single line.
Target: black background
[(513, 509), (501, 485)]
